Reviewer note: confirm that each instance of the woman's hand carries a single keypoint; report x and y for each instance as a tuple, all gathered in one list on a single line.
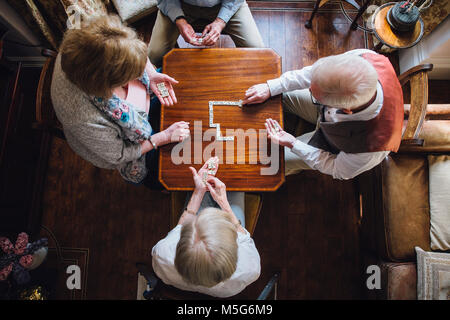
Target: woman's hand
[(199, 185), (218, 192), (177, 132), (196, 198), (204, 172), (277, 135), (257, 94), (156, 78)]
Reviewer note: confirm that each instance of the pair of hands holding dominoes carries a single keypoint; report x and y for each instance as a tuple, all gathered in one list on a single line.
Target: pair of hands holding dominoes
[(209, 36), (205, 180)]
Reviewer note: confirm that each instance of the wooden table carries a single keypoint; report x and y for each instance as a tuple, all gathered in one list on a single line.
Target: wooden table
[(221, 75)]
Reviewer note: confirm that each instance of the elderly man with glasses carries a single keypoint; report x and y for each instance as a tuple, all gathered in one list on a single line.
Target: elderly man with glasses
[(356, 101)]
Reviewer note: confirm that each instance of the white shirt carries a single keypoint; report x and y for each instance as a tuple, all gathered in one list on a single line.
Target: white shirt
[(248, 266), (342, 165)]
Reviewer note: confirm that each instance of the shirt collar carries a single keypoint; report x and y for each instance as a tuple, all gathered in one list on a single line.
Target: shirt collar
[(366, 114)]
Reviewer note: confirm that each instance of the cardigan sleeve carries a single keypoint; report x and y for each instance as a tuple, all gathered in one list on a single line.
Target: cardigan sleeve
[(106, 143)]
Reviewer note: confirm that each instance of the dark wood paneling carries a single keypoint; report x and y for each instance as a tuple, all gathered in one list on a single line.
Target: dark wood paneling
[(21, 157)]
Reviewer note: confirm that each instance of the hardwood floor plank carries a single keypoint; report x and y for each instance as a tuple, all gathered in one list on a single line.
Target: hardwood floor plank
[(340, 38), (295, 37), (277, 35)]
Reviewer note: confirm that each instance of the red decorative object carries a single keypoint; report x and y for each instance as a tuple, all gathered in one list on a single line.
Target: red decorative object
[(21, 243), (6, 245), (18, 258), (26, 261)]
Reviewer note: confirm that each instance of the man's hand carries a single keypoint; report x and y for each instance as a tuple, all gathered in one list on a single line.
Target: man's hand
[(257, 94), (187, 32), (277, 135), (212, 32)]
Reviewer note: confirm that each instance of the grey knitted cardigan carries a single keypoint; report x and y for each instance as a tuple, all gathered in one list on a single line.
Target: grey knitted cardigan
[(88, 131)]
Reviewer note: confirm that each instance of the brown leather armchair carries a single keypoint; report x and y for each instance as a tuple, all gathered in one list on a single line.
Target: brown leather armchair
[(396, 218), (395, 197)]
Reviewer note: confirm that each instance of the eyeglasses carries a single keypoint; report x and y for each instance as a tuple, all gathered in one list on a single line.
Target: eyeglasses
[(314, 100)]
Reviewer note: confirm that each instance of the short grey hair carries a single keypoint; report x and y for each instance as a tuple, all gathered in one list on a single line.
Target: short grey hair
[(345, 81)]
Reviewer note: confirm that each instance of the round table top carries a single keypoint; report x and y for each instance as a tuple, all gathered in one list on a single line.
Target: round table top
[(397, 40)]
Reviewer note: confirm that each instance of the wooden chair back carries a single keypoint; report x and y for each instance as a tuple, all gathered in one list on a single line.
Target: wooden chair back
[(45, 114)]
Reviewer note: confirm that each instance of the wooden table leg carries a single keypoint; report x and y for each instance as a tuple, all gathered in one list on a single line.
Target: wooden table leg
[(308, 23)]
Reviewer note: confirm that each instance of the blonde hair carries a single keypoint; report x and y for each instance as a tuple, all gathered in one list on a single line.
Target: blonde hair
[(345, 81), (102, 55), (207, 251)]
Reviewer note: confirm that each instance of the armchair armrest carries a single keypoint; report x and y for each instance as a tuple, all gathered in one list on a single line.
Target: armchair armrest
[(405, 76)]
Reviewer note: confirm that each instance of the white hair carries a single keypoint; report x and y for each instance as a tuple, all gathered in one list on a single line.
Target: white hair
[(345, 81)]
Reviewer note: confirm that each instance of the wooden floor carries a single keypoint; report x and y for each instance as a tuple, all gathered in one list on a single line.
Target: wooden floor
[(281, 25), (308, 229)]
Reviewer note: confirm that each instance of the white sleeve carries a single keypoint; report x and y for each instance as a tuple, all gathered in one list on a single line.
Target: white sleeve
[(163, 256), (291, 80), (249, 253), (341, 166)]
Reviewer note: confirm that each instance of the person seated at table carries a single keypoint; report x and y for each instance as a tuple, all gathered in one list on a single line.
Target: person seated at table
[(209, 251), (214, 16), (102, 90), (358, 101)]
